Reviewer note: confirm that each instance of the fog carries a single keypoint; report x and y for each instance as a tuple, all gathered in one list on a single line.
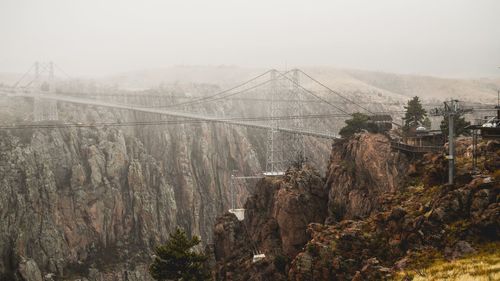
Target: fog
[(450, 38)]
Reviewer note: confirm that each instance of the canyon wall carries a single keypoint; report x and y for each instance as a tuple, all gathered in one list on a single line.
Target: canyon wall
[(375, 215), (362, 169), (91, 202)]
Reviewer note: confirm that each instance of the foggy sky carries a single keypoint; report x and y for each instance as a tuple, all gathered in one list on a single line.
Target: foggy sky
[(455, 38)]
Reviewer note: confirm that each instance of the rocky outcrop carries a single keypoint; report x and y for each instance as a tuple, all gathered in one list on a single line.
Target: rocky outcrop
[(275, 224), (410, 228), (361, 169), (90, 203), (423, 221), (408, 223)]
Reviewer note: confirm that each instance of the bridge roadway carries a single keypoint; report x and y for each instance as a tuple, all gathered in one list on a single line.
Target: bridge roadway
[(173, 113)]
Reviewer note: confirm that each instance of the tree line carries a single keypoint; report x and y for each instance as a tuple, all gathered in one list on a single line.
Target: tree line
[(415, 116)]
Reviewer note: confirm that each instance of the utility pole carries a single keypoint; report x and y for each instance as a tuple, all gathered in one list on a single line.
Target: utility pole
[(450, 110), (498, 105), (451, 144)]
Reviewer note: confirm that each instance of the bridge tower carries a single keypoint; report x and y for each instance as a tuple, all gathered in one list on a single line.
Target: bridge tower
[(44, 109), (274, 153), (284, 149), (296, 141)]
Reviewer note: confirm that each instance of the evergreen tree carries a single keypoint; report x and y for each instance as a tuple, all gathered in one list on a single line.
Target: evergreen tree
[(427, 123), (459, 125), (356, 124), (414, 115), (176, 260)]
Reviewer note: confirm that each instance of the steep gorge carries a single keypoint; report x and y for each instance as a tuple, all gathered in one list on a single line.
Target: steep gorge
[(91, 202), (388, 220), (362, 169)]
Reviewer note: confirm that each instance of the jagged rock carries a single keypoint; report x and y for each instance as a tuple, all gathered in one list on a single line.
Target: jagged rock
[(29, 270), (78, 198), (361, 169), (275, 224), (425, 218)]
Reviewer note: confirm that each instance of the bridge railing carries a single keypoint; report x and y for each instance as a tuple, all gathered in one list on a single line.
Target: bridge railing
[(415, 149)]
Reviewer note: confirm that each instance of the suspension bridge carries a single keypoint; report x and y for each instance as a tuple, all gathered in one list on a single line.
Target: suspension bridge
[(282, 94)]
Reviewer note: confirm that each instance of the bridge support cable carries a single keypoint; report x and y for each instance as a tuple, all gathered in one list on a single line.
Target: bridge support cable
[(203, 99), (316, 96), (23, 76), (335, 92)]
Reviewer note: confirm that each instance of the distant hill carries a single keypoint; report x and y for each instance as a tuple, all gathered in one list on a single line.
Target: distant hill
[(389, 85), (347, 80)]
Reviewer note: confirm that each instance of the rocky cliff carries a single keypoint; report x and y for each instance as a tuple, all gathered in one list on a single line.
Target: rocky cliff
[(395, 216), (277, 215), (361, 169), (89, 203)]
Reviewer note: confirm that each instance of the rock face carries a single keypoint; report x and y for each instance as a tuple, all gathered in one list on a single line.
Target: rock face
[(407, 222), (361, 169), (275, 224), (90, 203), (422, 222)]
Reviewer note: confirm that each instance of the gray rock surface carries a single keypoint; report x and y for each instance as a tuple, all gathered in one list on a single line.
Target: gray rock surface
[(91, 203)]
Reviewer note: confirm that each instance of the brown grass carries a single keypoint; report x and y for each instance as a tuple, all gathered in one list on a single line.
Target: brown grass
[(482, 266)]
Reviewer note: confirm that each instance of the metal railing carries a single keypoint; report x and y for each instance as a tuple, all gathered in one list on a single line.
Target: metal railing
[(415, 149)]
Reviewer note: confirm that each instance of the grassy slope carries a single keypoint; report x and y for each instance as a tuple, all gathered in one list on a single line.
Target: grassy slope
[(483, 265)]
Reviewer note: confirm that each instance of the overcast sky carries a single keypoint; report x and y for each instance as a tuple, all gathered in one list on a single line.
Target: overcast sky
[(455, 38)]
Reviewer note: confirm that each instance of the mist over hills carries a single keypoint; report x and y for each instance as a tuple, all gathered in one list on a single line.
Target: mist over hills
[(390, 85), (399, 86)]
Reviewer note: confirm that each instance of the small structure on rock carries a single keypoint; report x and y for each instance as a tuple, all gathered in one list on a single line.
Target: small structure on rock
[(257, 257), (239, 213)]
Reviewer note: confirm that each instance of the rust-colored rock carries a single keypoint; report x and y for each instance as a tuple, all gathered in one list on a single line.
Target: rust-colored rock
[(275, 224), (361, 169)]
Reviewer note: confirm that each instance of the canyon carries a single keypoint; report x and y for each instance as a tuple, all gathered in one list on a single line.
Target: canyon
[(90, 203), (377, 213)]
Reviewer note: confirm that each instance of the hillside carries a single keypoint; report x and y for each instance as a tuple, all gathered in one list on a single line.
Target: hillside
[(389, 218), (392, 86)]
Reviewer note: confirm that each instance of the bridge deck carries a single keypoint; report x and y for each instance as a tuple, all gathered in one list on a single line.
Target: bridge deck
[(173, 113)]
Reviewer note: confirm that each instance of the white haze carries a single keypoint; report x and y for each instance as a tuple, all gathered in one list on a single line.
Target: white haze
[(453, 38)]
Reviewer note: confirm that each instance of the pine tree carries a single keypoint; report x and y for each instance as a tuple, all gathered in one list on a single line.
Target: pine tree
[(176, 260), (414, 115), (427, 123), (356, 124)]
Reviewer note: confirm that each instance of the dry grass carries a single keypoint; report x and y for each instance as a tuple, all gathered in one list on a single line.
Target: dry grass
[(483, 266)]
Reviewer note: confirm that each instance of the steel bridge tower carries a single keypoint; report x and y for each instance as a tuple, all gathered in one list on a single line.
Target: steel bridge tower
[(296, 141), (44, 109), (274, 153), (284, 149)]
